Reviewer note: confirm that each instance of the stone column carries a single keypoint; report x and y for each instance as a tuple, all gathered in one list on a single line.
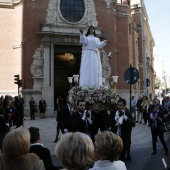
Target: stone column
[(48, 88)]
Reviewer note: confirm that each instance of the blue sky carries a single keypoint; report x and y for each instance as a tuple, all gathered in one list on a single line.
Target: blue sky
[(159, 21)]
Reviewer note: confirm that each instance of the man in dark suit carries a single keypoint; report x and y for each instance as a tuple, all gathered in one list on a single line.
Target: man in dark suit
[(66, 117), (3, 126), (32, 108), (99, 119), (121, 122), (21, 109), (81, 119), (59, 127), (37, 148)]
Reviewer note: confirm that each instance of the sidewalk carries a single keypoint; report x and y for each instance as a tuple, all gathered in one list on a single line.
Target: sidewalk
[(140, 149)]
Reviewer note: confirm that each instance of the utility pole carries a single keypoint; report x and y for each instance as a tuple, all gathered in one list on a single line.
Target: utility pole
[(143, 49)]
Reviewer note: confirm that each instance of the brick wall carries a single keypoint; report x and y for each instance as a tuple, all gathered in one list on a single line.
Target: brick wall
[(34, 14), (116, 29), (10, 49)]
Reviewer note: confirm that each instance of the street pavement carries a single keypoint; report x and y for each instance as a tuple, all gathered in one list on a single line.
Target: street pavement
[(141, 146)]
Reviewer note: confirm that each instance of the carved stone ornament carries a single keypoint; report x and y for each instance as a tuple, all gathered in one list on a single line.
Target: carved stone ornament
[(106, 68), (52, 12), (108, 2), (54, 16), (9, 3), (91, 13), (37, 65)]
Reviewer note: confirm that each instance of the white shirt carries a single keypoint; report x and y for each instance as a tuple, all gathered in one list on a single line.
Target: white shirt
[(108, 165)]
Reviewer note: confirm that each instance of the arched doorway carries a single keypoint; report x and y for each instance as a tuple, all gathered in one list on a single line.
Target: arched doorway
[(66, 63)]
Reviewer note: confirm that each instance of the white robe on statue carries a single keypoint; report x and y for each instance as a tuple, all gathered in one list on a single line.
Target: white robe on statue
[(90, 68)]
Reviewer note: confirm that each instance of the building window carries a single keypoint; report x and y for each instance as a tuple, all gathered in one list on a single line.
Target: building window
[(72, 10), (129, 29), (137, 47)]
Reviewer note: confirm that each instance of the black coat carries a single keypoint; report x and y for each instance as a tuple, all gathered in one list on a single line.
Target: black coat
[(3, 126), (44, 155), (42, 106), (32, 105), (138, 105), (80, 125), (126, 127), (160, 121), (66, 118)]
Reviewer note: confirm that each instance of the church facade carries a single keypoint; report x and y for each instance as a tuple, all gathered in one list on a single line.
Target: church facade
[(51, 51)]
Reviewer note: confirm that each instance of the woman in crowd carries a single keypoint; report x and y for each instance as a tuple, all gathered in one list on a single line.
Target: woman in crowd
[(157, 128), (16, 152), (42, 107), (108, 147), (75, 150), (144, 114)]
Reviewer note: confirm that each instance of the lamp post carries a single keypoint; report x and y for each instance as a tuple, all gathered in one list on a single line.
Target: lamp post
[(76, 77), (73, 79), (70, 80), (115, 80), (143, 47), (114, 83)]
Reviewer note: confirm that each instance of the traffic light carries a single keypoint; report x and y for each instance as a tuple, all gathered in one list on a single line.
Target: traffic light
[(16, 79), (20, 83)]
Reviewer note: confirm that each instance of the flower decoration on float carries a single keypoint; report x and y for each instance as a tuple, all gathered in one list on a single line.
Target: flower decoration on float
[(97, 99)]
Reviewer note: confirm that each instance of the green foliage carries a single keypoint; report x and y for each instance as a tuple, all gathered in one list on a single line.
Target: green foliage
[(158, 83), (168, 89)]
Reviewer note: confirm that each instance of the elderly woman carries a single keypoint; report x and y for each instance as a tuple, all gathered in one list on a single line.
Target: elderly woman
[(16, 152), (108, 147), (75, 150)]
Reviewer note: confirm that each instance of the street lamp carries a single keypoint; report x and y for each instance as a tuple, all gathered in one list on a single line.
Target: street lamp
[(73, 79), (114, 83), (76, 77)]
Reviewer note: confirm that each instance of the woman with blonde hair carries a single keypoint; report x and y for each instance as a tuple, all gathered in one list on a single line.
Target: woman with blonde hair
[(75, 150), (108, 147), (16, 152)]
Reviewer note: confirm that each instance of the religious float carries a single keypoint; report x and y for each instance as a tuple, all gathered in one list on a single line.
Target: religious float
[(97, 98)]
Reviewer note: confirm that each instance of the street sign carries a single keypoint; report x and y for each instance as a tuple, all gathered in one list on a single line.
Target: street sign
[(131, 75)]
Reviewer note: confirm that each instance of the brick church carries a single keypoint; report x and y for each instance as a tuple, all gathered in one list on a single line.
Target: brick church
[(40, 42)]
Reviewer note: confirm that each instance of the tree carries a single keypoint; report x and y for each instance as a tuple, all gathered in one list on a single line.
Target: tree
[(158, 83)]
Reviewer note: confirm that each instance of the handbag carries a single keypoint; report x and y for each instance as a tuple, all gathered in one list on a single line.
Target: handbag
[(162, 128)]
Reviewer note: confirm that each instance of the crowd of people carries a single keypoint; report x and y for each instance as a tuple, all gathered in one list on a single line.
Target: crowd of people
[(33, 108), (97, 139), (120, 121), (155, 115), (107, 149), (13, 110)]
